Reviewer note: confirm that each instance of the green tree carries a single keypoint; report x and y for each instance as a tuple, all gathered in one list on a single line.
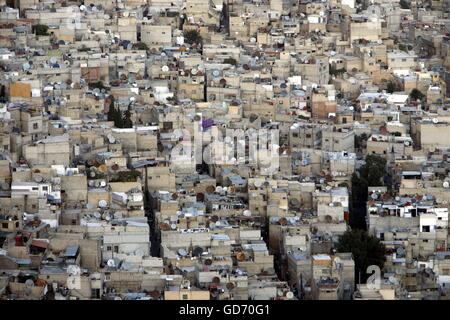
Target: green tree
[(140, 46), (416, 95), (366, 250), (370, 174), (403, 47), (97, 85), (192, 36), (231, 61), (40, 30), (114, 114), (373, 170), (390, 87), (127, 122)]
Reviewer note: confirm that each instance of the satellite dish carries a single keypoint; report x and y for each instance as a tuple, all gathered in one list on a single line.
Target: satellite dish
[(111, 263), (92, 174), (82, 7), (445, 184), (216, 280), (182, 252), (102, 203), (74, 270), (91, 183), (194, 71), (126, 14), (240, 256), (29, 283), (435, 120), (165, 68), (219, 189), (111, 139), (294, 202), (102, 183), (103, 168), (173, 226), (216, 73), (97, 184), (230, 286), (247, 213), (197, 252), (164, 226), (208, 262), (38, 178), (289, 295)]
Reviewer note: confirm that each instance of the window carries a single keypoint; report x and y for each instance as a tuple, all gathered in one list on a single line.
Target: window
[(108, 248), (185, 296), (5, 225), (35, 188), (45, 188), (116, 249)]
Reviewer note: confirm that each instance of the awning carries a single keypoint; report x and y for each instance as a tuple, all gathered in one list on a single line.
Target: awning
[(39, 244)]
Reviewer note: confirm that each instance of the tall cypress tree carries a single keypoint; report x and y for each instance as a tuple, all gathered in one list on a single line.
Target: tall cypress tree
[(127, 123)]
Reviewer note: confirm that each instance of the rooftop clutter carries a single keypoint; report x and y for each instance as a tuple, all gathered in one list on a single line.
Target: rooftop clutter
[(201, 150)]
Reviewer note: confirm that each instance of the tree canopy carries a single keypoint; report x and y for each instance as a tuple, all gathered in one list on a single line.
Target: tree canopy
[(367, 250), (416, 94), (40, 29), (374, 170), (140, 46), (372, 173), (192, 36)]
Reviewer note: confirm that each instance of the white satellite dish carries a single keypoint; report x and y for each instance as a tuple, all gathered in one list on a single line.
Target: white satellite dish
[(91, 183), (111, 263), (289, 295), (247, 213), (435, 120), (173, 226), (29, 283), (165, 68), (111, 139), (445, 184), (97, 184), (126, 14), (102, 203), (182, 252), (82, 7), (216, 73), (102, 183), (38, 178), (194, 72), (253, 40), (74, 270)]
